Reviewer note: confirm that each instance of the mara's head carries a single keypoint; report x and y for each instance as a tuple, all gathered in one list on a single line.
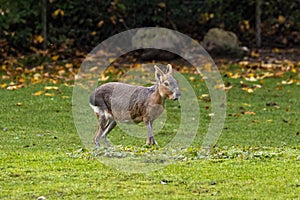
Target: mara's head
[(167, 84)]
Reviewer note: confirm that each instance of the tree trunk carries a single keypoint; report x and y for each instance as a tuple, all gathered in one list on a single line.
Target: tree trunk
[(258, 22), (44, 22)]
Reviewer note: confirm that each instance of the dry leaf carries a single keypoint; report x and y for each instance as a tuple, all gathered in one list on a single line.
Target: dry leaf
[(192, 78), (38, 93), (50, 88), (49, 94), (55, 58), (3, 85), (249, 90), (249, 113)]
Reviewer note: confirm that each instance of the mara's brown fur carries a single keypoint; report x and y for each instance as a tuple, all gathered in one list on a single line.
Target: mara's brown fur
[(115, 101)]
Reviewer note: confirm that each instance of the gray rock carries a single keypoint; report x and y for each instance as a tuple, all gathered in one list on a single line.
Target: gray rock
[(218, 40), (164, 40)]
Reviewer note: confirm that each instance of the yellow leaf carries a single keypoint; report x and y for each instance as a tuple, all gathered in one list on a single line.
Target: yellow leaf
[(249, 113), (100, 23), (111, 60), (3, 85), (287, 82), (38, 93), (93, 69), (275, 50), (192, 78), (249, 90), (37, 76), (252, 79), (235, 76), (203, 96), (49, 94), (93, 33), (19, 104), (103, 77), (207, 67), (58, 12), (38, 39), (243, 63), (68, 65), (61, 72), (54, 58), (22, 80), (220, 86), (162, 4), (254, 54), (281, 19), (5, 77), (51, 88)]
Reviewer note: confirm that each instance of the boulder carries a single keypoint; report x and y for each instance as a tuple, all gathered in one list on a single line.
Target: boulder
[(217, 40), (163, 42)]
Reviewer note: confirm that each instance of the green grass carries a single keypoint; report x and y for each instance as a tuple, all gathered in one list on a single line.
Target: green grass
[(257, 156)]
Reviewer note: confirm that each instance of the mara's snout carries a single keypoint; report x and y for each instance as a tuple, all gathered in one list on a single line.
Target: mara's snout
[(176, 95)]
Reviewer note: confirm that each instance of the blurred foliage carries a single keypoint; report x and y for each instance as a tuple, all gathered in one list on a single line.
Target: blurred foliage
[(83, 24)]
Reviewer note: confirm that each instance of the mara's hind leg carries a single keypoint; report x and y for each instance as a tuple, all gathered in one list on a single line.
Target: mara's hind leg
[(111, 124), (97, 136), (102, 124)]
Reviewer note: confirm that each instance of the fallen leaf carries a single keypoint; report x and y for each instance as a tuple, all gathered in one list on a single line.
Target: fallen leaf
[(251, 78), (93, 69), (69, 65), (38, 93), (103, 77), (249, 90), (287, 82), (220, 87), (61, 72), (15, 87), (19, 104), (203, 96), (55, 58), (50, 88), (38, 39), (5, 77), (49, 94), (249, 113), (254, 54), (192, 78), (3, 85)]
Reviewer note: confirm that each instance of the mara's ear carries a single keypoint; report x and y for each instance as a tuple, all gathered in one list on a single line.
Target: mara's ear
[(159, 74), (169, 69)]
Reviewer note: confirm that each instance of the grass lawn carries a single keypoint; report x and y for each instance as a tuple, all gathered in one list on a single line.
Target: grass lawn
[(256, 157)]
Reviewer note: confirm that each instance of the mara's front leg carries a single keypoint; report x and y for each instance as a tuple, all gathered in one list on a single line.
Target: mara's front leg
[(150, 136)]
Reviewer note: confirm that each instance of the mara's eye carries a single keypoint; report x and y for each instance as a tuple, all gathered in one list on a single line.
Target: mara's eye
[(166, 84)]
